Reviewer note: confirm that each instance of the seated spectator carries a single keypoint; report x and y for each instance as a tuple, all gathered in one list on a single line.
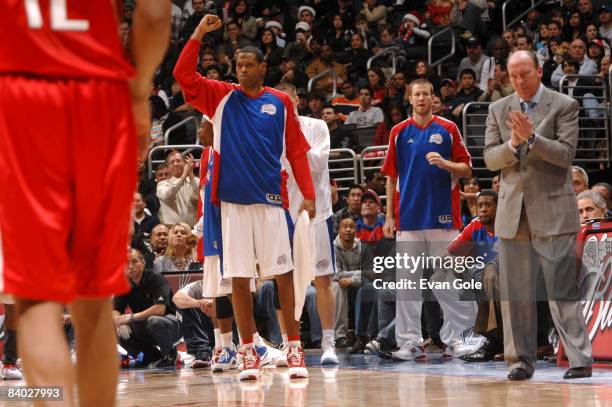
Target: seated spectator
[(148, 187), (422, 70), (277, 29), (396, 93), (605, 190), (411, 36), (597, 49), (353, 207), (159, 243), (495, 183), (196, 323), (448, 93), (374, 12), (298, 50), (590, 33), (316, 101), (351, 258), (499, 52), (474, 60), (269, 47), (376, 181), (436, 105), (468, 92), (499, 86), (338, 37), (152, 322), (180, 253), (322, 63), (440, 11), (355, 59), (349, 100), (143, 221), (580, 179), (239, 13), (178, 195), (386, 34), (605, 20), (366, 115), (577, 51), (360, 25), (376, 80), (591, 206), (555, 58), (396, 114), (213, 72), (339, 137), (469, 191), (370, 224), (234, 39), (289, 72)]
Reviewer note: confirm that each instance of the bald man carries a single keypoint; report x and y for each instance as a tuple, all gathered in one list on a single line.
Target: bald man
[(531, 138)]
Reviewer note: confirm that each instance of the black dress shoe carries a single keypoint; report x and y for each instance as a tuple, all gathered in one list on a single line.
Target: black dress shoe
[(518, 373), (358, 346), (484, 354), (341, 343), (578, 373)]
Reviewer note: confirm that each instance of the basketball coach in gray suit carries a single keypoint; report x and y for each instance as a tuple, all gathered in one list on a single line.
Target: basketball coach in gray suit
[(531, 137)]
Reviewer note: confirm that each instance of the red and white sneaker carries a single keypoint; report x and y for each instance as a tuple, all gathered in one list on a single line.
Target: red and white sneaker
[(250, 364), (295, 362)]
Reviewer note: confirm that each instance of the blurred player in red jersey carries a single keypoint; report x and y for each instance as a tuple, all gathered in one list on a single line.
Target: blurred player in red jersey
[(69, 151)]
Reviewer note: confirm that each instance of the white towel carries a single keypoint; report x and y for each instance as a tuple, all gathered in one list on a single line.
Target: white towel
[(303, 260)]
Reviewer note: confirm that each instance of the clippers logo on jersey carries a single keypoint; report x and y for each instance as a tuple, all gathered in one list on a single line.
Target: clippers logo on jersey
[(428, 195), (274, 199), (269, 109)]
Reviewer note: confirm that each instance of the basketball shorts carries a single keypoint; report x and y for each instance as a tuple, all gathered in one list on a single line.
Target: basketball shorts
[(324, 237), (214, 284), (67, 178)]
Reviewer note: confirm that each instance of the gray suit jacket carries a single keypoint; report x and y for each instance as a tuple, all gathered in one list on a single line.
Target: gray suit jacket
[(542, 178)]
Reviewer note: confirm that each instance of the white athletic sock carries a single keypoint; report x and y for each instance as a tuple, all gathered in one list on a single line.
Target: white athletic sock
[(328, 334), (294, 344), (217, 337), (285, 339), (226, 340)]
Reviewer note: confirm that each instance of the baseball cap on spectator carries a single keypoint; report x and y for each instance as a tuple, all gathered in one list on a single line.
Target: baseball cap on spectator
[(412, 17), (302, 25), (599, 43), (275, 24), (448, 81), (369, 194), (605, 8), (473, 42), (307, 8)]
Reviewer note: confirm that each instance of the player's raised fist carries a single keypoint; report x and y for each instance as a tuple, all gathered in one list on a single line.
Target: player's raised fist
[(208, 23)]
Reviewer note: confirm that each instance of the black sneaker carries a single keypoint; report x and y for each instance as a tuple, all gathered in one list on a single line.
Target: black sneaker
[(149, 357), (170, 361), (341, 343), (359, 345)]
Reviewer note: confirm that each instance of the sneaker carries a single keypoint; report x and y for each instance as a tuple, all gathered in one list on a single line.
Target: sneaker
[(251, 364), (409, 351), (295, 361), (281, 360), (328, 347), (358, 346), (216, 353), (457, 351), (11, 372), (372, 348), (432, 349), (201, 362), (227, 360), (265, 356), (171, 361)]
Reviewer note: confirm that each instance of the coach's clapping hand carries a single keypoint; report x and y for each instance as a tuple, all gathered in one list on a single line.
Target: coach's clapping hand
[(521, 126), (309, 206), (208, 23)]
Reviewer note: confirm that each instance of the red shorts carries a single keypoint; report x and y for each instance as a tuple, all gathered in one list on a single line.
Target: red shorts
[(67, 176)]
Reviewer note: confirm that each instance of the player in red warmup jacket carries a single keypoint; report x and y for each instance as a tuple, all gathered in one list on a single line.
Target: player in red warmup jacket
[(73, 113)]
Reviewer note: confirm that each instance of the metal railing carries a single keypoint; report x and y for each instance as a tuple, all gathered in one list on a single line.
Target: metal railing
[(183, 148), (593, 118), (317, 77), (180, 124), (394, 50), (474, 116), (534, 4), (343, 167), (430, 44), (371, 159)]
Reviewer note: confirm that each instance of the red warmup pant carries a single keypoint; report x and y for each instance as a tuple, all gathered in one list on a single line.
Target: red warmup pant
[(67, 177)]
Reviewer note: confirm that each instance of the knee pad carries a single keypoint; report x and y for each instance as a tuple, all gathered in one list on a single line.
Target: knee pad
[(224, 307)]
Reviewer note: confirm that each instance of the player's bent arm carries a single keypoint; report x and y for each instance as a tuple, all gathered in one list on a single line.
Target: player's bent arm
[(157, 310), (301, 173), (461, 170), (497, 154), (318, 155), (184, 301), (150, 38)]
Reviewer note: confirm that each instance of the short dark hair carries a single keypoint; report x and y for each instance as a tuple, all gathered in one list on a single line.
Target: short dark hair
[(368, 88), (502, 65), (213, 67), (161, 166), (252, 50), (468, 71), (488, 192), (356, 186), (315, 94), (329, 106)]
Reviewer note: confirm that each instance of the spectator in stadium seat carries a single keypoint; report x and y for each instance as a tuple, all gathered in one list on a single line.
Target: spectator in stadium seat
[(448, 93), (367, 115), (580, 179), (269, 47), (422, 70), (374, 12), (352, 258), (411, 36), (148, 188), (277, 29), (233, 39), (338, 37), (157, 246), (370, 224), (591, 206), (213, 72), (353, 207), (573, 30), (499, 86), (323, 62), (339, 137), (199, 9), (349, 100), (355, 59), (289, 72), (499, 52), (240, 13), (590, 33), (555, 58), (475, 58), (510, 38), (577, 51), (143, 221), (597, 49), (196, 323), (605, 190), (587, 12), (605, 20), (524, 43), (299, 49), (495, 183), (396, 93), (307, 14), (440, 11), (386, 37), (377, 182), (316, 101), (180, 254), (469, 192), (468, 92), (178, 195), (152, 322), (376, 80), (393, 115)]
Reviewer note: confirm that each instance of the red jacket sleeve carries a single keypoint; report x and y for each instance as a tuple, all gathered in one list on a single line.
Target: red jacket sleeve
[(301, 173), (204, 94), (459, 153), (462, 245), (390, 166)]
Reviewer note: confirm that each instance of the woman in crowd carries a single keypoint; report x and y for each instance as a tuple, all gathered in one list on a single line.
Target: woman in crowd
[(574, 29), (180, 254), (376, 79), (339, 37), (469, 192), (239, 12), (393, 115), (269, 47)]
